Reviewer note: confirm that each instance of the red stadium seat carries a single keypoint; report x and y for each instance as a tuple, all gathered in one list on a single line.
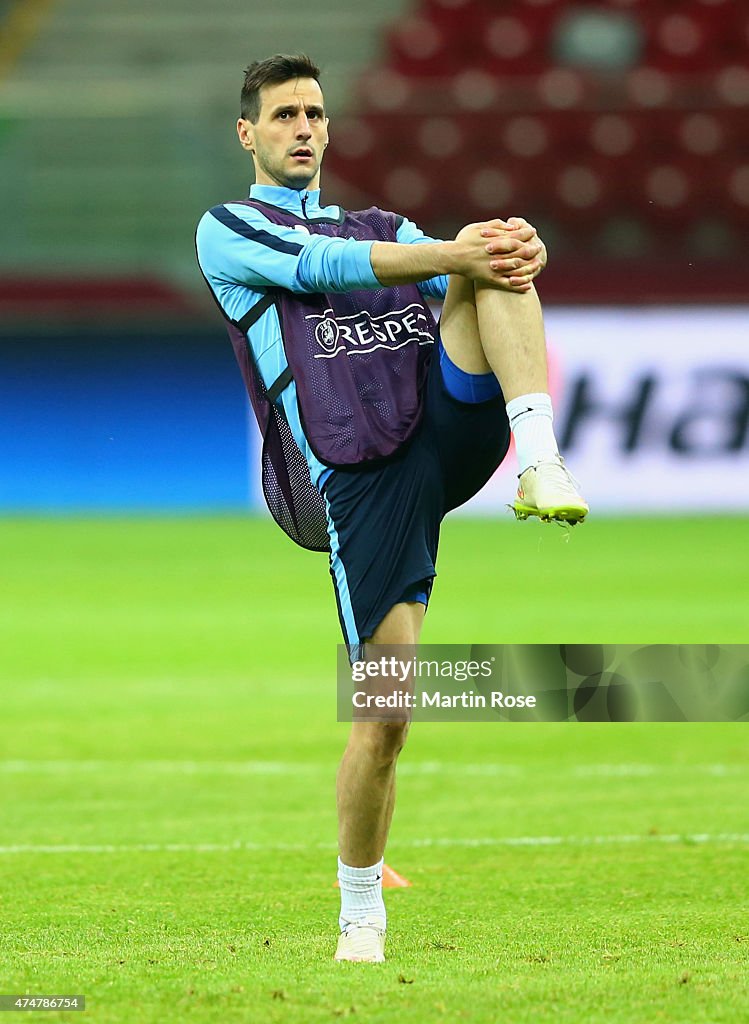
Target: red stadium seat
[(494, 191), (385, 89), (699, 134), (669, 193), (732, 181), (511, 43), (440, 138), (649, 87), (683, 39), (731, 84), (475, 89), (561, 89), (408, 188), (614, 135), (581, 190), (525, 137), (420, 48)]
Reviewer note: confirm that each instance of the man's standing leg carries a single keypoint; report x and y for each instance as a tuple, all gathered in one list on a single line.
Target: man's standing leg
[(366, 798), (485, 329)]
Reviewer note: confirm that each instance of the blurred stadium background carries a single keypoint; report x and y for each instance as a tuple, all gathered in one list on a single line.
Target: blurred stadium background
[(618, 128), (167, 655)]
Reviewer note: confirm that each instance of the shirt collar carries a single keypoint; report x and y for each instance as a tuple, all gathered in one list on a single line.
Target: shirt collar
[(288, 198)]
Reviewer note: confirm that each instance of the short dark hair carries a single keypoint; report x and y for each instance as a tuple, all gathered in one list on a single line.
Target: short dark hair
[(272, 71)]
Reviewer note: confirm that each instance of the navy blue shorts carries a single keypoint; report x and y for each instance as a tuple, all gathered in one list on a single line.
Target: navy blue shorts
[(384, 522)]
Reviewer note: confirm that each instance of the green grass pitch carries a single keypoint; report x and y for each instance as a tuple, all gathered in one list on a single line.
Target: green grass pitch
[(168, 754)]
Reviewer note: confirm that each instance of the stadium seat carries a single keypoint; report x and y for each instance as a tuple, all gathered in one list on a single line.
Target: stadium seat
[(683, 39), (511, 43), (732, 191), (420, 48), (668, 192)]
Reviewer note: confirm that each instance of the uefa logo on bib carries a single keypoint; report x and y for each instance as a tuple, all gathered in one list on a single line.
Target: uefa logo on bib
[(326, 335)]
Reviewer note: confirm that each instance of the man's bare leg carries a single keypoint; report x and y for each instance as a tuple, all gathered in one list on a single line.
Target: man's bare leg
[(366, 777), (366, 798), (487, 329)]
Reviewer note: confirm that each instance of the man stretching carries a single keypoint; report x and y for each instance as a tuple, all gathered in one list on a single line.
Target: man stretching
[(376, 422)]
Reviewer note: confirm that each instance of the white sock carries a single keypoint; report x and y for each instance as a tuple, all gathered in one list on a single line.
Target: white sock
[(531, 421), (361, 893)]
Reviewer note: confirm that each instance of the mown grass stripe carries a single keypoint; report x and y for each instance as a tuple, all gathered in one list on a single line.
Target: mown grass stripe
[(243, 846), (638, 770)]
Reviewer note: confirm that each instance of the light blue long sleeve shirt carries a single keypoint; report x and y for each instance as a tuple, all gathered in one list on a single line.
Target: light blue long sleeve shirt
[(241, 253)]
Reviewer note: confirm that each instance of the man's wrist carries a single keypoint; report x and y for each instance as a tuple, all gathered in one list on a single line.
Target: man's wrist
[(447, 258)]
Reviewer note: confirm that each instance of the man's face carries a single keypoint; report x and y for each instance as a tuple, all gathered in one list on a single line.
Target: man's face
[(288, 141)]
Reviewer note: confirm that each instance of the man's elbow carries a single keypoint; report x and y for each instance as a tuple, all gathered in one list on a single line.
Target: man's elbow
[(319, 283), (301, 284)]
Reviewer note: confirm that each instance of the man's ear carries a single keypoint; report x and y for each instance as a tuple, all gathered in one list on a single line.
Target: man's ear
[(246, 133)]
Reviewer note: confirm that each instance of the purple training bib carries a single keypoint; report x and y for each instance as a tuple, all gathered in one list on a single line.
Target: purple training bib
[(359, 360)]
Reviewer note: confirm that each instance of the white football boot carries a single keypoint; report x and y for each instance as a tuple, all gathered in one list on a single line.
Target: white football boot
[(362, 942), (548, 490)]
